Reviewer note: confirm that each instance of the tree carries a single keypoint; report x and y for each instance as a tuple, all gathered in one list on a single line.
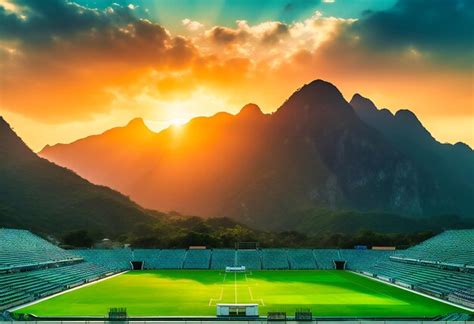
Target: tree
[(80, 238)]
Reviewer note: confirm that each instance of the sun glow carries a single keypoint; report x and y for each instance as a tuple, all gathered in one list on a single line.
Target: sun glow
[(177, 113), (179, 121)]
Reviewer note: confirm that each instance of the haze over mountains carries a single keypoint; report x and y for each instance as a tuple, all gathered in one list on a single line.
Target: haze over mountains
[(37, 195), (316, 151), (40, 196), (451, 166)]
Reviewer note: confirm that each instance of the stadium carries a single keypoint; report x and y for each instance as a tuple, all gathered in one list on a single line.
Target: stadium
[(430, 281)]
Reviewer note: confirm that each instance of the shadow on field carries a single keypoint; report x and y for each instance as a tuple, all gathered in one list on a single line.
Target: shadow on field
[(328, 278)]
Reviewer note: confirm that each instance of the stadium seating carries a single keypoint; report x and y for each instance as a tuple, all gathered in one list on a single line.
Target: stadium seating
[(363, 259), (408, 274), (301, 259), (222, 258), (21, 249), (249, 258), (449, 283), (31, 267), (456, 317), (449, 248), (274, 259), (197, 259), (325, 258), (463, 296), (435, 281), (113, 259), (171, 259), (22, 287), (148, 256)]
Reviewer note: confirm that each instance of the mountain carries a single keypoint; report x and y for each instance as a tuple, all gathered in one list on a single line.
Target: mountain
[(317, 222), (41, 196), (313, 152), (450, 166), (171, 169)]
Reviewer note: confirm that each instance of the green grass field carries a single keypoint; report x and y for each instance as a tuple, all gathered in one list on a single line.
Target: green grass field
[(186, 293)]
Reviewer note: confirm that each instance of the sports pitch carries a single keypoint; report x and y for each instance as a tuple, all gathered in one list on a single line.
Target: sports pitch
[(188, 293)]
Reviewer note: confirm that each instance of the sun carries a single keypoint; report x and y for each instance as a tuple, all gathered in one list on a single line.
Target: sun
[(179, 121)]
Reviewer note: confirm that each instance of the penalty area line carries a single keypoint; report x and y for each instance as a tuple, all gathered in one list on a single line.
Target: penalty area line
[(235, 287), (260, 300), (215, 300)]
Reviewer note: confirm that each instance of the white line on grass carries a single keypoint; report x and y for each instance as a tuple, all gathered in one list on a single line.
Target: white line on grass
[(260, 300), (235, 287), (65, 292), (217, 299), (212, 300), (415, 292)]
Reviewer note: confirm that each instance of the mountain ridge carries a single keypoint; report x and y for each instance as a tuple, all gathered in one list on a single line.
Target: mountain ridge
[(46, 198), (451, 165), (363, 105), (314, 151)]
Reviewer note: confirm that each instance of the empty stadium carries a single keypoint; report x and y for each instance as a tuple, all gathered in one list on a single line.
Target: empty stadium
[(431, 281)]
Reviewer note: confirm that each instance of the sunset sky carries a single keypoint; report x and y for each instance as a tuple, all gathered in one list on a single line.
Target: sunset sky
[(71, 69)]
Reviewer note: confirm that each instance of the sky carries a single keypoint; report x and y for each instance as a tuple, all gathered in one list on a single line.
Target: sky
[(69, 69)]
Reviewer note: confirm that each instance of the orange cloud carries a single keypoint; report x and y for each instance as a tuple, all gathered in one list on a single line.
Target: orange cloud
[(106, 62)]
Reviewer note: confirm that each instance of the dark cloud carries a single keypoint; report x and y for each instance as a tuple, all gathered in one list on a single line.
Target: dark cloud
[(59, 51), (113, 34), (224, 35), (441, 29), (44, 21), (273, 36)]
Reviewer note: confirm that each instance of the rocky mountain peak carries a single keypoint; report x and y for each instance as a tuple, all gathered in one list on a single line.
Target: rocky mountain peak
[(320, 88), (11, 144), (136, 123), (408, 117), (318, 98), (361, 103), (250, 110), (4, 126)]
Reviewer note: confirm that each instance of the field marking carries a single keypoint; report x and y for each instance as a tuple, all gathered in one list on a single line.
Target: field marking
[(215, 300), (235, 287), (415, 292), (260, 300), (13, 309)]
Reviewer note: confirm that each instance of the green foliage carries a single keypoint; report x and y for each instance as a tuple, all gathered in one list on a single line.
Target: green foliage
[(224, 233), (40, 196), (320, 221), (79, 238)]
